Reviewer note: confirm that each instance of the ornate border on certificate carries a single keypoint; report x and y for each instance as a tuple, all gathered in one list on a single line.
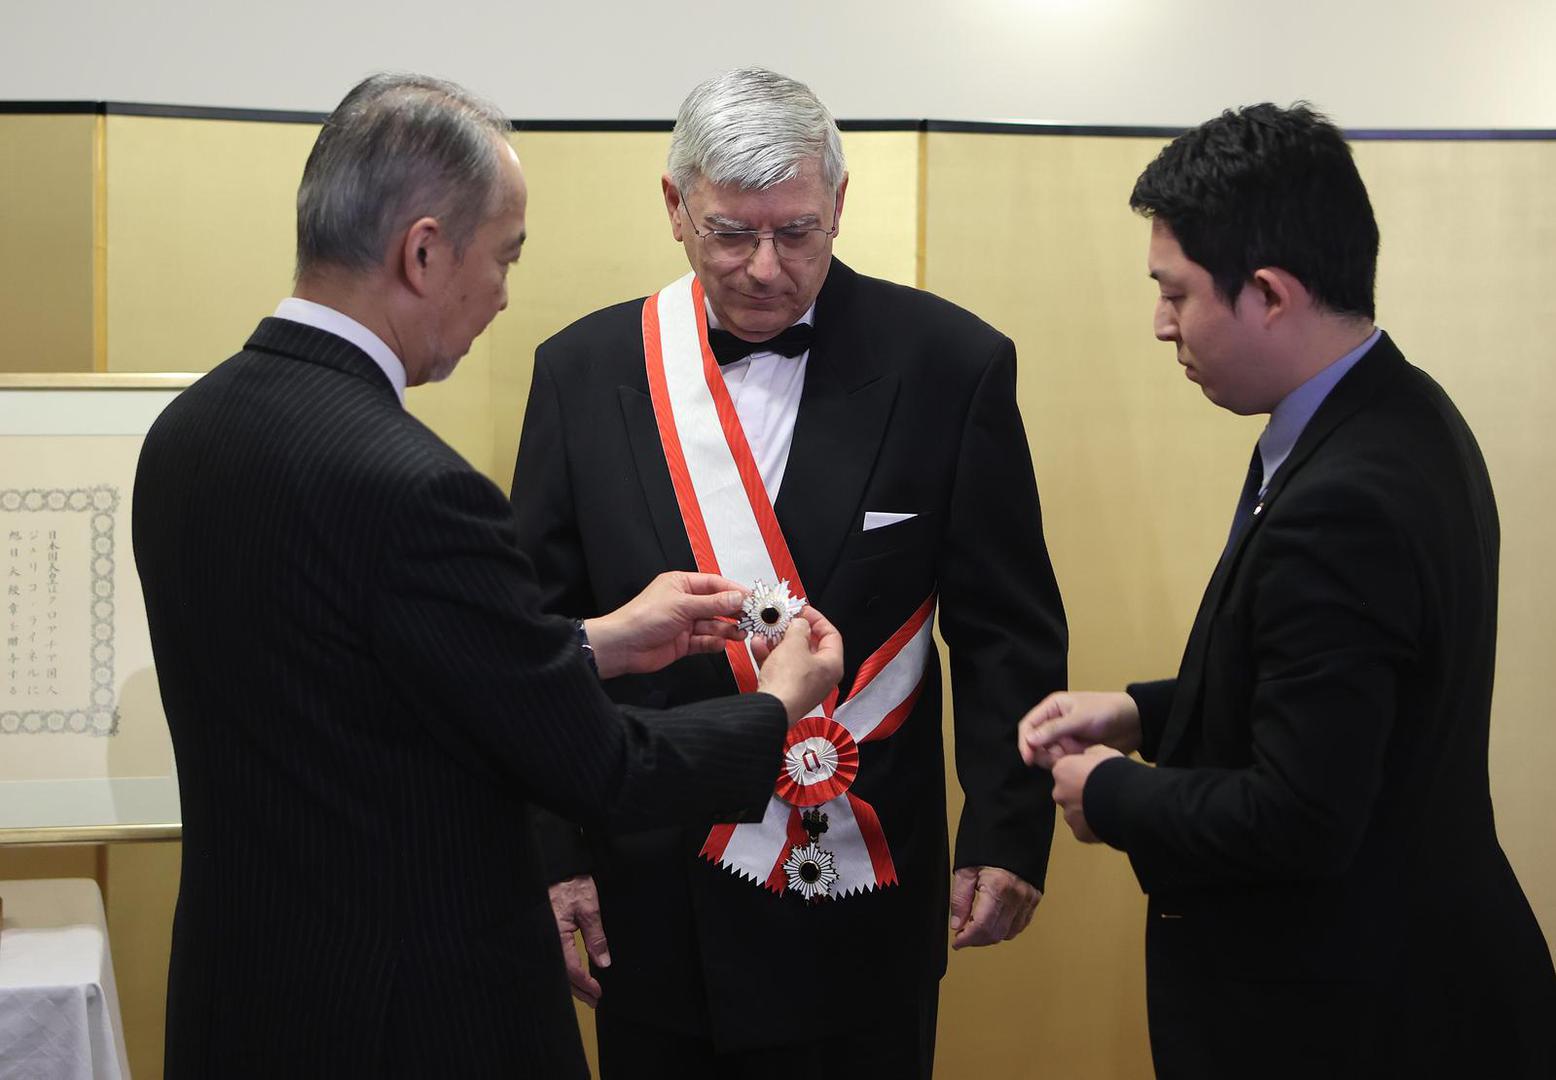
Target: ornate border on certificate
[(99, 714)]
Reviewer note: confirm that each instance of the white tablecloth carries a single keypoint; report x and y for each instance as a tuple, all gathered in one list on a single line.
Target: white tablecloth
[(59, 1011)]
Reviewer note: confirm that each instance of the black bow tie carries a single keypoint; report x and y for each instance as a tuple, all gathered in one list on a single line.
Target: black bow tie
[(727, 348)]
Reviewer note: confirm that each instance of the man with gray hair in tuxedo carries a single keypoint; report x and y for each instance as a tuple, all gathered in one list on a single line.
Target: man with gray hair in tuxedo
[(810, 432)]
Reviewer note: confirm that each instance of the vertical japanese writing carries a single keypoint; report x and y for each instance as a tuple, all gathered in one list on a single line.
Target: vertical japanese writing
[(14, 583), (58, 565)]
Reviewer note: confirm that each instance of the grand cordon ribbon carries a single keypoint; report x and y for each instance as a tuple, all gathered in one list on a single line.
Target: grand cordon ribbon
[(733, 531)]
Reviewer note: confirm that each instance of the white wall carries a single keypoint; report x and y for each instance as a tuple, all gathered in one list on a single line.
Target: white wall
[(1369, 63)]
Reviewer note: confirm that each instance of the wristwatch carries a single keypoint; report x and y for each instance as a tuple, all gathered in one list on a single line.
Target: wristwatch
[(583, 644)]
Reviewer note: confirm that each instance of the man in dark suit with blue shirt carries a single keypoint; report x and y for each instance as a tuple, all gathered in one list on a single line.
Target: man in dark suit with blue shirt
[(364, 696), (1327, 894)]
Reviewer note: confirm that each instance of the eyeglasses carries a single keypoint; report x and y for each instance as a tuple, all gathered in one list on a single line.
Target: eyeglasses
[(732, 246)]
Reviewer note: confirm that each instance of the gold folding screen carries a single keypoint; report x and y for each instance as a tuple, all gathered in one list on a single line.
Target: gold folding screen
[(1031, 231)]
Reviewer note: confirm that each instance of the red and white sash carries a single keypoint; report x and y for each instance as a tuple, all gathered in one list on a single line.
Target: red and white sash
[(733, 531)]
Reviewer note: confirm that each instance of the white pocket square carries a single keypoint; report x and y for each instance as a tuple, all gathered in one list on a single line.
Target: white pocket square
[(875, 519)]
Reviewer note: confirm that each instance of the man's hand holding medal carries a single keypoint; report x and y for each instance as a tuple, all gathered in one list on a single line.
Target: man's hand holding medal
[(799, 652), (680, 613)]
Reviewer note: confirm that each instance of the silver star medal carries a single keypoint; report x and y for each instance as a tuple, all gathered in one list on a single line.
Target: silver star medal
[(810, 868), (768, 609), (810, 871)]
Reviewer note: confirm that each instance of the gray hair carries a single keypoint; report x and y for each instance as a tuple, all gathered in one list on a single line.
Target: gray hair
[(397, 148), (752, 129)]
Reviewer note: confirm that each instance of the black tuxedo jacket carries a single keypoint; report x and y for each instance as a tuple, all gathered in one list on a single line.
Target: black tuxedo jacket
[(908, 406), (1327, 894), (364, 700)]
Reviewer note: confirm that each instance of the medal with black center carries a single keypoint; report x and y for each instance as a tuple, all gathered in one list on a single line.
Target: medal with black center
[(768, 610), (811, 869)]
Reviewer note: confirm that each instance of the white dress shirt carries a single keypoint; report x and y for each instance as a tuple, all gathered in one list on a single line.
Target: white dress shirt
[(295, 309), (765, 388)]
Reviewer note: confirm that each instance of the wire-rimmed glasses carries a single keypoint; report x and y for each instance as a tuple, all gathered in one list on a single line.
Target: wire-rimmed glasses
[(732, 246)]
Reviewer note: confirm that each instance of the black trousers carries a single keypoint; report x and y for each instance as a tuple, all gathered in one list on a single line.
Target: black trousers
[(900, 1044)]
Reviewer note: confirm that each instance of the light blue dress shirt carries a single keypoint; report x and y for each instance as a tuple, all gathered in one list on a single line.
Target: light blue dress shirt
[(1297, 408)]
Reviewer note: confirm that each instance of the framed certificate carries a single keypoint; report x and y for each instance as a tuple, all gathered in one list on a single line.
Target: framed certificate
[(84, 748)]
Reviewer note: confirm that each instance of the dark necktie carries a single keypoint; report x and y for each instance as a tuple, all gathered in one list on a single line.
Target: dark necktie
[(727, 348), (1247, 500)]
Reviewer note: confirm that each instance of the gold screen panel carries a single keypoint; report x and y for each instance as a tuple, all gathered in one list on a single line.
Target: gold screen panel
[(47, 202), (201, 234), (1032, 234)]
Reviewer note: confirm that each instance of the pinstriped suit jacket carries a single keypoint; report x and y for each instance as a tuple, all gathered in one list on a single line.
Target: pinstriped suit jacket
[(364, 700)]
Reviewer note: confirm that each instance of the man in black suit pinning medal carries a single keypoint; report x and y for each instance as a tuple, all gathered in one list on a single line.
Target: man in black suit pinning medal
[(365, 698)]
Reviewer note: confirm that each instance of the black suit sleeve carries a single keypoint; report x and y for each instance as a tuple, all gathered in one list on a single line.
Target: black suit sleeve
[(1154, 701), (1331, 626), (542, 496), (508, 693), (543, 507), (1002, 619)]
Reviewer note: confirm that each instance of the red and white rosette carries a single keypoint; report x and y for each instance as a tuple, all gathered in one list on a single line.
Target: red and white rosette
[(820, 761), (733, 531)]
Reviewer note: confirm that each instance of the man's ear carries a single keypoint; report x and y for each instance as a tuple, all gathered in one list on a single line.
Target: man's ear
[(837, 209), (673, 205), (422, 253), (1278, 291)]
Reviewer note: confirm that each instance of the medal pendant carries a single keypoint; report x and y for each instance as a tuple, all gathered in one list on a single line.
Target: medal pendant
[(811, 869)]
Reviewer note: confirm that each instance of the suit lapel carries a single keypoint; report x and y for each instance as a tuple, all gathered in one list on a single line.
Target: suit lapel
[(1359, 386), (648, 456), (1186, 697), (1382, 364), (844, 409)]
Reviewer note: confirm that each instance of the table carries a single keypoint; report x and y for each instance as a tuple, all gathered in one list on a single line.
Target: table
[(59, 1010)]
